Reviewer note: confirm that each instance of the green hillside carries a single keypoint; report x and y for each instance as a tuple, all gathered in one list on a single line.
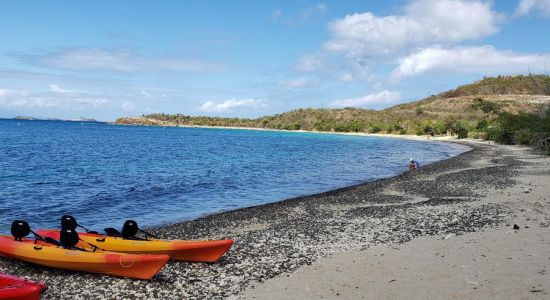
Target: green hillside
[(474, 110)]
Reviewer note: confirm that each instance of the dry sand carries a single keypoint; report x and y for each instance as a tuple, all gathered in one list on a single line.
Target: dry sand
[(496, 263)]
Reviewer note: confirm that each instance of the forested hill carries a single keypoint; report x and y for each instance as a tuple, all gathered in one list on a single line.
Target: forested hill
[(468, 108)]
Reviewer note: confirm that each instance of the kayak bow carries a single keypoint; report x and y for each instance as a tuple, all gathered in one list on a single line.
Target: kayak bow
[(15, 288)]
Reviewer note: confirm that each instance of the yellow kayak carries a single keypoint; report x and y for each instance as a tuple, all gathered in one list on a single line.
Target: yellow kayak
[(195, 251)]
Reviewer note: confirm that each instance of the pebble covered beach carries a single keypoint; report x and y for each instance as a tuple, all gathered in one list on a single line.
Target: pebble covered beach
[(273, 239)]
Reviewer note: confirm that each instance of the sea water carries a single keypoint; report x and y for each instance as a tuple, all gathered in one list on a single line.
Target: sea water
[(104, 174)]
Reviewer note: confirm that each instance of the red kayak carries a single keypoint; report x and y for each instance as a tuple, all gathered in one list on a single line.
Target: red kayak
[(15, 288)]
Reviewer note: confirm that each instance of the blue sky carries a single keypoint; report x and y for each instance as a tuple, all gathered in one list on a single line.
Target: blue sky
[(105, 59)]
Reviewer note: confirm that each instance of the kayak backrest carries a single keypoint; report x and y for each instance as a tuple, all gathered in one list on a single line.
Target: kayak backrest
[(20, 229), (68, 222), (129, 229), (68, 238)]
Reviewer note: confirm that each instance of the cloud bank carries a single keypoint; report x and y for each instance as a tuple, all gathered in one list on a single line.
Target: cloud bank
[(525, 7), (476, 59), (376, 99), (231, 105), (96, 59), (424, 22)]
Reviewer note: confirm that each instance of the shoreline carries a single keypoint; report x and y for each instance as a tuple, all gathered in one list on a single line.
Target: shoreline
[(463, 145), (504, 261), (279, 238), (386, 135)]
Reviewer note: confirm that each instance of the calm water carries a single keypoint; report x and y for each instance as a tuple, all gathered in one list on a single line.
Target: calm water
[(104, 174)]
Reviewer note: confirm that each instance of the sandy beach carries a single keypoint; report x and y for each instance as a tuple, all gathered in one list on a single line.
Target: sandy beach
[(444, 231), (501, 262)]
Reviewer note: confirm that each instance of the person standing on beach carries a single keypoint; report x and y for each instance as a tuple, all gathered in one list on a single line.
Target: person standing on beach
[(413, 164)]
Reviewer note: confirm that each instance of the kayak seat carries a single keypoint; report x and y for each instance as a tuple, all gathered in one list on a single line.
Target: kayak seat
[(68, 222), (68, 238), (129, 229), (20, 229)]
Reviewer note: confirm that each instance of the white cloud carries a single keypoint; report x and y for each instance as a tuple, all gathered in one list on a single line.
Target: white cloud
[(309, 63), (231, 104), (424, 22), (527, 6), (5, 93), (293, 83), (54, 88), (145, 93), (57, 97), (484, 60), (376, 99), (92, 59)]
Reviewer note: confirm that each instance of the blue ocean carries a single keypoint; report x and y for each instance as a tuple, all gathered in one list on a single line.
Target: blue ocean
[(104, 174)]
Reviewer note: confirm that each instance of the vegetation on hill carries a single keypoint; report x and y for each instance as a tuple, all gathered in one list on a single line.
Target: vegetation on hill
[(526, 85), (506, 109)]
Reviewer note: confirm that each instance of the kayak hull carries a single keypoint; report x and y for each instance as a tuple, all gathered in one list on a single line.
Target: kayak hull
[(193, 251), (109, 263), (12, 288)]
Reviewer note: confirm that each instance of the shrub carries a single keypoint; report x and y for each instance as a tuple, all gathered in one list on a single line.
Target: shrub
[(502, 136), (440, 127), (374, 129), (482, 124), (428, 129), (393, 127), (487, 107), (523, 137), (322, 126), (461, 132)]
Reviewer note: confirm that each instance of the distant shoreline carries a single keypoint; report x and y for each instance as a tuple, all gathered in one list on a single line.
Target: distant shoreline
[(445, 138)]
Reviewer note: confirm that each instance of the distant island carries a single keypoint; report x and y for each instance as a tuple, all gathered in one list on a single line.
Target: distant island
[(80, 119), (505, 109), (25, 118)]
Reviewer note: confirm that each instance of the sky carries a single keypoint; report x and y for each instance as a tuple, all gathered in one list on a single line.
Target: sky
[(107, 59)]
